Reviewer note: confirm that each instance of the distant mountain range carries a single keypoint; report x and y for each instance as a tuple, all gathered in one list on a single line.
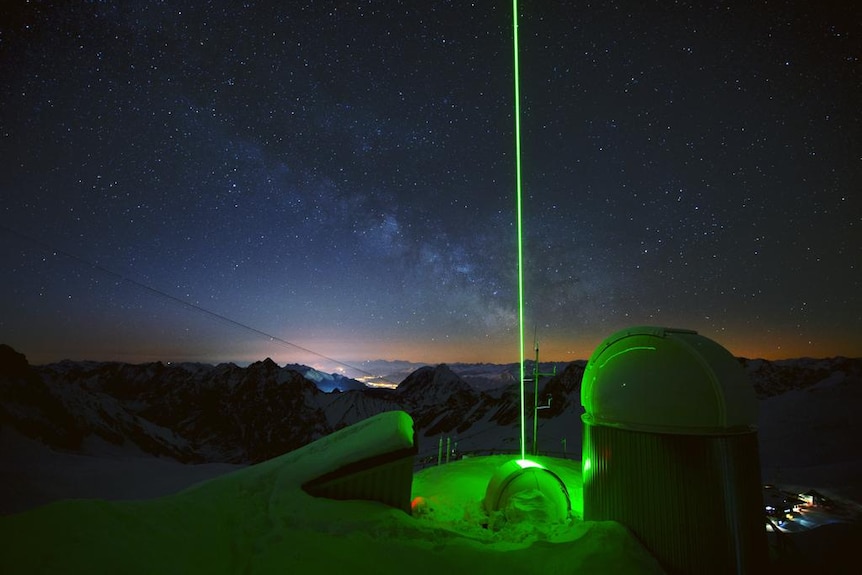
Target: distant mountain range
[(225, 413)]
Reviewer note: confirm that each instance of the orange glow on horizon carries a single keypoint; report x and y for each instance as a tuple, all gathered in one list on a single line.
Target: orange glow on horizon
[(353, 352)]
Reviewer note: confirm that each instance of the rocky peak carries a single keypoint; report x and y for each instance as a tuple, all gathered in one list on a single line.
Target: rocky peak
[(432, 384), (13, 365)]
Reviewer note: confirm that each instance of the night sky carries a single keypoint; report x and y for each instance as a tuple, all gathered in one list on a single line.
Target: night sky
[(341, 176)]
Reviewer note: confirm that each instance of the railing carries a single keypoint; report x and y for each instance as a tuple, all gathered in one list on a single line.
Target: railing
[(447, 452)]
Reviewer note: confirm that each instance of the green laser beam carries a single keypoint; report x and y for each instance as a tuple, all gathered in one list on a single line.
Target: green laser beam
[(520, 227)]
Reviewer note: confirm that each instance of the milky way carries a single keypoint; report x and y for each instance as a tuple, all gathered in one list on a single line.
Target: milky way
[(341, 176)]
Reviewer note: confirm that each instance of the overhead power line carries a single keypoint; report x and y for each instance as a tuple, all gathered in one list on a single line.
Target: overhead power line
[(186, 304)]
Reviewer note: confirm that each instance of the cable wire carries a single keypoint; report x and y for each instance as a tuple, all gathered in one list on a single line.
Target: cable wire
[(187, 304)]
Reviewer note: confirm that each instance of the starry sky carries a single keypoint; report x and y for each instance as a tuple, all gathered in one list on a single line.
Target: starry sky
[(228, 181)]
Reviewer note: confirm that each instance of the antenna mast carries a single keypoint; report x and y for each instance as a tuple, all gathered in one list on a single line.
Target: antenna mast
[(536, 375)]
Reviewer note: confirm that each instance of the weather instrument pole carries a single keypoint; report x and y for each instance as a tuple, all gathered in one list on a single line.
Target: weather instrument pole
[(536, 375), (520, 229), (535, 449)]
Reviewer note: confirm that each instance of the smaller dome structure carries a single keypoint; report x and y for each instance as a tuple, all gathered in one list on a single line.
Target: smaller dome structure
[(523, 490)]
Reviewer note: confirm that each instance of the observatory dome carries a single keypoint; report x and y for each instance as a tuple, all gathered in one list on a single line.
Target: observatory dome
[(666, 380)]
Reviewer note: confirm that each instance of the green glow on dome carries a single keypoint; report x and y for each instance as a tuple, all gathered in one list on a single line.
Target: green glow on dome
[(627, 350), (520, 228), (525, 491)]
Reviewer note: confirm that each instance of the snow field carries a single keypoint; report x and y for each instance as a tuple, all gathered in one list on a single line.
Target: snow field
[(258, 520)]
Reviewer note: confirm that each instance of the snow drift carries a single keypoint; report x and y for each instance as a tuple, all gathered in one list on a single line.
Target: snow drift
[(260, 520)]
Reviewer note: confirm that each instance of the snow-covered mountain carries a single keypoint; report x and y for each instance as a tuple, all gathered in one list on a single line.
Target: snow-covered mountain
[(326, 382), (772, 378), (225, 413), (190, 413)]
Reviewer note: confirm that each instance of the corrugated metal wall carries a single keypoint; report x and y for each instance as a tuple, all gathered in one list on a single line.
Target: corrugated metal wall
[(390, 483), (694, 501)]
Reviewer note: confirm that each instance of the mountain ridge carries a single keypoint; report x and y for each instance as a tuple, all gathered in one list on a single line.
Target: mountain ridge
[(225, 413)]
